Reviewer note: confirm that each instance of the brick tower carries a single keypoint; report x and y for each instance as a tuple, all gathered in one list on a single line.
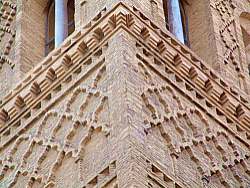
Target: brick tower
[(105, 93)]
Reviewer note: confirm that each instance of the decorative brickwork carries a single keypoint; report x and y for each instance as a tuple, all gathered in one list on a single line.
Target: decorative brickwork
[(122, 103), (228, 35), (7, 31), (8, 11)]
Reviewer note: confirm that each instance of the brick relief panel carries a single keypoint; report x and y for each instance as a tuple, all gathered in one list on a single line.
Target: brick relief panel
[(226, 28), (192, 147), (233, 67), (69, 144)]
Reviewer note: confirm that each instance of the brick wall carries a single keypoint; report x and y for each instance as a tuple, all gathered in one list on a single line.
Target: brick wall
[(7, 46), (229, 41), (124, 104)]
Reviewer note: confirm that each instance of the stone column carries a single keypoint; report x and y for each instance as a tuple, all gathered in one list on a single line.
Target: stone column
[(175, 20), (61, 21)]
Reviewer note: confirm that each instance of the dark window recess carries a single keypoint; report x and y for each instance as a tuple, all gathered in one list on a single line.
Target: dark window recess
[(184, 23), (165, 8), (50, 28), (71, 16)]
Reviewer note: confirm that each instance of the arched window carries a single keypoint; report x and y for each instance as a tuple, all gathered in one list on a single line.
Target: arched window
[(50, 23), (171, 11), (245, 28)]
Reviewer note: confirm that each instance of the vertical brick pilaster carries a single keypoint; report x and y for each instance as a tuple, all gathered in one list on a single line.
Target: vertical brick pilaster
[(125, 112)]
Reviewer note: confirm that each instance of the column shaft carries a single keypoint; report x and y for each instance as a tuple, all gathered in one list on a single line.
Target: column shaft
[(61, 21)]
